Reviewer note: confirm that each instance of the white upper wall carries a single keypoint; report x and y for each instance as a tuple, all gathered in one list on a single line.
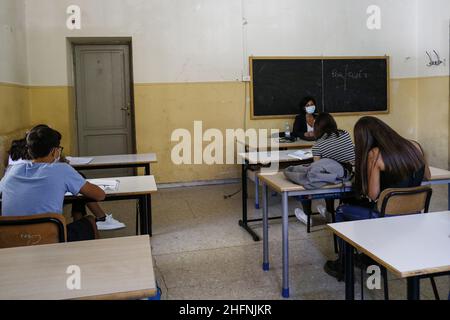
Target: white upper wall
[(13, 53), (173, 40), (204, 40), (434, 34), (334, 28)]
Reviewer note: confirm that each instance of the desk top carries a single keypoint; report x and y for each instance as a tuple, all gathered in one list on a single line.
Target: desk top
[(130, 186), (439, 174), (280, 183), (118, 268), (407, 245), (264, 157), (98, 161), (299, 144)]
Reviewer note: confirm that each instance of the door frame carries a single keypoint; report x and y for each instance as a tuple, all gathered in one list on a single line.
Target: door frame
[(74, 42)]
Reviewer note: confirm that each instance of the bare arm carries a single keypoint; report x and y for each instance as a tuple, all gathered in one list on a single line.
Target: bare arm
[(92, 191), (375, 165)]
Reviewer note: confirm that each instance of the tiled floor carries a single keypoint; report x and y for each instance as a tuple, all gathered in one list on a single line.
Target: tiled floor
[(200, 252)]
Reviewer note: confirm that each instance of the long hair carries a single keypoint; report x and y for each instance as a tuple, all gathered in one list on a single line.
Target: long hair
[(401, 157), (325, 124)]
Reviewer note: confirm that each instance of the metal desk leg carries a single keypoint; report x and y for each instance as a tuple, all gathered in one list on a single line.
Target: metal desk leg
[(256, 191), (448, 195), (143, 214), (149, 214), (285, 291), (349, 272), (413, 284), (147, 169), (265, 229), (244, 222)]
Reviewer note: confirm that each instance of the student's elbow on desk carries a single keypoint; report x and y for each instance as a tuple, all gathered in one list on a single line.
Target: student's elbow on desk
[(93, 192)]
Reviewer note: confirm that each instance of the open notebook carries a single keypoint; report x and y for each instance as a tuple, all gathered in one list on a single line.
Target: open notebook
[(301, 154), (79, 160), (104, 184)]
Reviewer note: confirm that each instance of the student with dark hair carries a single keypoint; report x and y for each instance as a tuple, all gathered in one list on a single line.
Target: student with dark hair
[(384, 159), (40, 186), (19, 154), (304, 121), (331, 143)]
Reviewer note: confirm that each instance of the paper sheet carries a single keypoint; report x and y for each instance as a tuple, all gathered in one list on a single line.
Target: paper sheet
[(79, 160)]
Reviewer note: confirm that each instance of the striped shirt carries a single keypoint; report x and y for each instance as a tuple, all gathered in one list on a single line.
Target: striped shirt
[(337, 147)]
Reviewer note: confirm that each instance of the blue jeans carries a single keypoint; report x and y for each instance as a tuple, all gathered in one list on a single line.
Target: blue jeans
[(348, 212)]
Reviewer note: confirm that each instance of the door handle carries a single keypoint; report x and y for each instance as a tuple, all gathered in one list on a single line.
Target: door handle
[(127, 109)]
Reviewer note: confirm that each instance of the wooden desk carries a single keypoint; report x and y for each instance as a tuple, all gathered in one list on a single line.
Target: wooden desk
[(135, 187), (120, 161), (254, 161), (119, 268), (298, 144), (123, 161), (409, 246), (279, 183)]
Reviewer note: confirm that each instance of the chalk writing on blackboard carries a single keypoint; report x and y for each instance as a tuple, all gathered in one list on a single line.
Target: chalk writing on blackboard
[(344, 76)]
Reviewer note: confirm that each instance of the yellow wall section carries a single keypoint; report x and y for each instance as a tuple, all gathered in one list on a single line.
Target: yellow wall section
[(162, 108), (52, 106), (433, 115), (14, 108)]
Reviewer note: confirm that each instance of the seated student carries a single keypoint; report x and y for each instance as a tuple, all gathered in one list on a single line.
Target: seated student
[(18, 154), (304, 121), (384, 160), (332, 143), (39, 187)]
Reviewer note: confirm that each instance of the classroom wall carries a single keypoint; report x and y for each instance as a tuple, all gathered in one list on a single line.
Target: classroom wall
[(189, 57), (433, 82), (13, 67)]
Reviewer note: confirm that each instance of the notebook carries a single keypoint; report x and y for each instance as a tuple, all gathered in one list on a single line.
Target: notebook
[(301, 154), (79, 160), (104, 184)]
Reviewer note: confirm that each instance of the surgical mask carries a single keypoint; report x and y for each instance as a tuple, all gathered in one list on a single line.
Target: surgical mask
[(310, 109), (57, 158)]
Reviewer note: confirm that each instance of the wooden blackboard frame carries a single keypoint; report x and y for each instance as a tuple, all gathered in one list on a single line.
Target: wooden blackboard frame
[(388, 83)]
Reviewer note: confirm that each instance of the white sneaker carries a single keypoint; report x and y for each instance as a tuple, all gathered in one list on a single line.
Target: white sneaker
[(301, 215), (110, 223), (322, 210)]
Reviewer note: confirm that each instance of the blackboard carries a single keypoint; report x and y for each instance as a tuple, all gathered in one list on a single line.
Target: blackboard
[(342, 85)]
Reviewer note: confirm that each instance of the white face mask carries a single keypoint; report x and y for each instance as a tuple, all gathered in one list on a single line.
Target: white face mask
[(57, 158), (310, 109)]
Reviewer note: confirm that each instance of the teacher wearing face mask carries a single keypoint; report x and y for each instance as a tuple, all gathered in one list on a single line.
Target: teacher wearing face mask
[(304, 122)]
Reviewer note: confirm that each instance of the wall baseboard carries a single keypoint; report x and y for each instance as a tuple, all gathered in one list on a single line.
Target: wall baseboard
[(197, 183)]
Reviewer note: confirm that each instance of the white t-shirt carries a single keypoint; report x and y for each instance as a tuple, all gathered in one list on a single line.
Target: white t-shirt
[(310, 129), (11, 162)]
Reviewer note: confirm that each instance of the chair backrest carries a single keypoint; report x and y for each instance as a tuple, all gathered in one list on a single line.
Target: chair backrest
[(398, 201), (32, 230)]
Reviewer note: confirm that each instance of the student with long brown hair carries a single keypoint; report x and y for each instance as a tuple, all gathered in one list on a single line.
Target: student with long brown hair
[(384, 159)]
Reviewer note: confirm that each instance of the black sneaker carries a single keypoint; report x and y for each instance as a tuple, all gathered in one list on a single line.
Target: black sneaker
[(334, 269)]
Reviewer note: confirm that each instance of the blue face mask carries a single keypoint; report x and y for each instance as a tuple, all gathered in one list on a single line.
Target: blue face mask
[(310, 109)]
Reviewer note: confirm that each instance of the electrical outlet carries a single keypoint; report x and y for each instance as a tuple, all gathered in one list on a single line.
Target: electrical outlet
[(245, 78)]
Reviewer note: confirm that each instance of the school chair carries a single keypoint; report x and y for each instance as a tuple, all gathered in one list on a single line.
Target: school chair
[(32, 230), (402, 201)]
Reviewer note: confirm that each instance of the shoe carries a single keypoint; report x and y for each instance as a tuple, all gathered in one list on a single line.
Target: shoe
[(110, 223), (322, 210), (334, 269), (301, 215)]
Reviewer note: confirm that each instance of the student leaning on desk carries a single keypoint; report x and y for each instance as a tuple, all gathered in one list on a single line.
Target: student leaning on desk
[(18, 154), (39, 186), (383, 160)]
